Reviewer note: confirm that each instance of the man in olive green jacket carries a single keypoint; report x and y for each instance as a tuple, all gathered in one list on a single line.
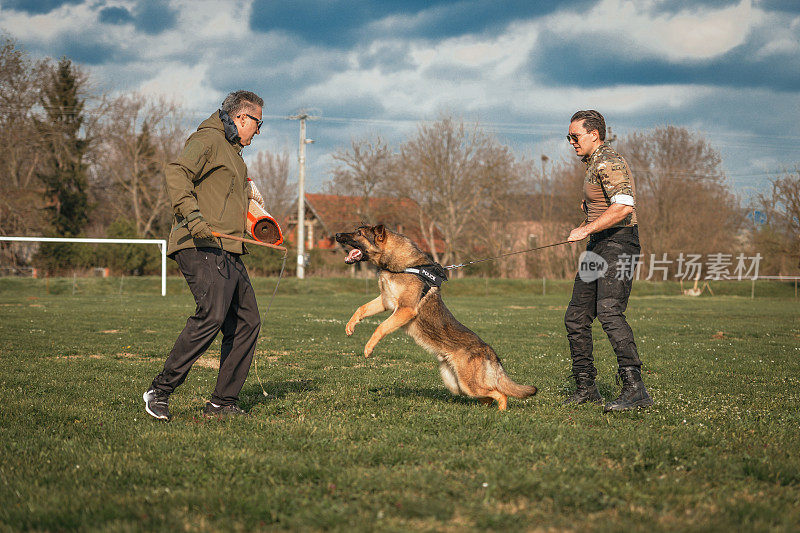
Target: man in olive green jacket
[(209, 190)]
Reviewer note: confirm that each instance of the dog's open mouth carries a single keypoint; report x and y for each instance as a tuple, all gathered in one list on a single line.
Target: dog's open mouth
[(354, 256)]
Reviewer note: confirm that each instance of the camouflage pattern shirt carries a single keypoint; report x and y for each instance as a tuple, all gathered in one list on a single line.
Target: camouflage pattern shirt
[(608, 181)]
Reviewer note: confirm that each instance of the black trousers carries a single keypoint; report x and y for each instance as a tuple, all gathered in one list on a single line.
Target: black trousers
[(225, 301), (606, 299)]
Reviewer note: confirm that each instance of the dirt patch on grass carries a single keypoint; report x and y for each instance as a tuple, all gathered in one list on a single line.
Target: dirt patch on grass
[(526, 307), (272, 353), (207, 362), (203, 362)]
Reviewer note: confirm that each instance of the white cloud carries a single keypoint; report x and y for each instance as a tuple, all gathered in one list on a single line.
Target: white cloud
[(213, 19), (502, 54), (182, 83), (494, 78), (41, 29), (690, 34), (419, 90), (481, 76), (625, 99), (783, 46), (781, 38)]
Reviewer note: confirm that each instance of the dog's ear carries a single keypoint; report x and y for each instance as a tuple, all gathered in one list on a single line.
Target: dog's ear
[(380, 233)]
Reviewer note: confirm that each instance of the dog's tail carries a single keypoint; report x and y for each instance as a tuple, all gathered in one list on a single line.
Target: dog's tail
[(515, 390)]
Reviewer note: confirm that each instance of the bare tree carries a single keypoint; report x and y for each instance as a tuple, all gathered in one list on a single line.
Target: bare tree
[(461, 178), (684, 202), (544, 212), (140, 137), (779, 238), (270, 172), (366, 170), (20, 86), (21, 196)]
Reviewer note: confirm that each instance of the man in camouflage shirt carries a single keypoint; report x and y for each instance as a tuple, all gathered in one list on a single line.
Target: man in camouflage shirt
[(604, 281)]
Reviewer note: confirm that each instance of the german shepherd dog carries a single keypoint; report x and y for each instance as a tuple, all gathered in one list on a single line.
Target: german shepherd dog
[(468, 365)]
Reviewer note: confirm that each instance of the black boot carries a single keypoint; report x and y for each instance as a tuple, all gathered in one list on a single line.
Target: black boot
[(586, 390), (633, 393)]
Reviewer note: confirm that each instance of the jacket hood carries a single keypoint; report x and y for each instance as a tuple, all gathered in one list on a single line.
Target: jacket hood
[(220, 121)]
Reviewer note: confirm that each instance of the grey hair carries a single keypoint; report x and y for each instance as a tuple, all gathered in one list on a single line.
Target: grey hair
[(592, 120), (238, 101)]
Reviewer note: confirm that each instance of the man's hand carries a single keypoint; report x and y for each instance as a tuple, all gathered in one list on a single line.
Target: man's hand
[(200, 229), (614, 214), (578, 234)]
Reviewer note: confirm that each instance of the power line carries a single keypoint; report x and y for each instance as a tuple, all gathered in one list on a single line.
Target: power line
[(532, 129), (539, 129), (511, 127)]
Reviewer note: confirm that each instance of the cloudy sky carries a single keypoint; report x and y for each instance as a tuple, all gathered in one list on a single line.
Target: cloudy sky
[(729, 70)]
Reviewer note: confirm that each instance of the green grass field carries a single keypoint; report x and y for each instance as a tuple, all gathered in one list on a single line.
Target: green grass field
[(347, 443)]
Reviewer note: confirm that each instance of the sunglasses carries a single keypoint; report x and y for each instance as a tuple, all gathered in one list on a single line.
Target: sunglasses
[(573, 137), (258, 122)]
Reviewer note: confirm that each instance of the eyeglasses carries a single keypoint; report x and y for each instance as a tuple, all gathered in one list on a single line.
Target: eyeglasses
[(258, 122), (573, 137)]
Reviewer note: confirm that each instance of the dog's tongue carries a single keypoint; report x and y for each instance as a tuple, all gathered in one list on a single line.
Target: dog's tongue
[(353, 256)]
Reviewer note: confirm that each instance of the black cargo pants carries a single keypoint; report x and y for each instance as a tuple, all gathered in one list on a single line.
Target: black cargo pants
[(606, 299), (225, 301)]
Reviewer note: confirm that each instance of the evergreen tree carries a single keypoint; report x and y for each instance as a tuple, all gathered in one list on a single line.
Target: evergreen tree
[(62, 169)]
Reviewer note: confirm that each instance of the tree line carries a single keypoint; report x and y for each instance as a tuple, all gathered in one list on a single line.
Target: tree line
[(487, 201), (78, 163)]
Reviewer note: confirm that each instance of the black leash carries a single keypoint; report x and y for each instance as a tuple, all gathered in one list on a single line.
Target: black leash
[(452, 267), (434, 274)]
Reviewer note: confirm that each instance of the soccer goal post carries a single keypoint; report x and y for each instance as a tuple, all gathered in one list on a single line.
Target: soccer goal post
[(162, 245)]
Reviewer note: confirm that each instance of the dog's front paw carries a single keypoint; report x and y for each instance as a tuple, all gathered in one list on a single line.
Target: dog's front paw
[(350, 328), (368, 349)]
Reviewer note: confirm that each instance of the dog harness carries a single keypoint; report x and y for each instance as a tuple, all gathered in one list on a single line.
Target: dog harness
[(432, 275)]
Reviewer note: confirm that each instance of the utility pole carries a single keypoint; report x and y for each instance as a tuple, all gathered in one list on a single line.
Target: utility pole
[(545, 217), (543, 185), (301, 207)]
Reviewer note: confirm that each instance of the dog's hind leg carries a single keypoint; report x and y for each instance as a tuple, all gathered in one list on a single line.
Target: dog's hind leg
[(449, 377), (502, 399)]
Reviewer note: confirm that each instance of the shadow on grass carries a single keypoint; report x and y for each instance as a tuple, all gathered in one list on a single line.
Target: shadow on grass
[(276, 390), (438, 394), (609, 391)]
